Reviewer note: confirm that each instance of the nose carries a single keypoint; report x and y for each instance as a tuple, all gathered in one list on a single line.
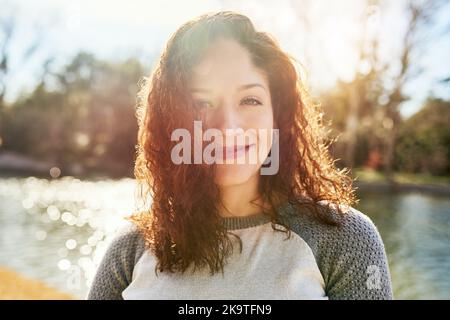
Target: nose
[(227, 117)]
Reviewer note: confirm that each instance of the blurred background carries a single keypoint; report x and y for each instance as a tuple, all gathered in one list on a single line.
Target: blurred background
[(69, 73)]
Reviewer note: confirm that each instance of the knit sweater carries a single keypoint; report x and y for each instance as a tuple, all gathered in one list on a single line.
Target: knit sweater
[(318, 261)]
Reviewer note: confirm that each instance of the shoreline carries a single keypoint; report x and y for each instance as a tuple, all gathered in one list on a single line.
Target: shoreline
[(384, 186), (15, 286), (361, 183)]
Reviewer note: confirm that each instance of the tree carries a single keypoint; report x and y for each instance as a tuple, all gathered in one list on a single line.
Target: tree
[(370, 103), (8, 28), (424, 140), (86, 123), (421, 15)]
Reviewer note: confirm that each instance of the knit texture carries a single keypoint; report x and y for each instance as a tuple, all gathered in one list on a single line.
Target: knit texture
[(351, 258), (115, 271)]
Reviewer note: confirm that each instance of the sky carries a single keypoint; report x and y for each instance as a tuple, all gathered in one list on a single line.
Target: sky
[(118, 29)]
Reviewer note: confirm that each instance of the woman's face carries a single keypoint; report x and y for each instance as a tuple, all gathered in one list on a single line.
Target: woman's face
[(231, 94)]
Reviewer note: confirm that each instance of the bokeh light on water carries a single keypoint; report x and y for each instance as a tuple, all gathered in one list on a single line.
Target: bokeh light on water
[(58, 230)]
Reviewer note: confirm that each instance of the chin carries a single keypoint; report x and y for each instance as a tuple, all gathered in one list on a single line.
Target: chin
[(235, 174)]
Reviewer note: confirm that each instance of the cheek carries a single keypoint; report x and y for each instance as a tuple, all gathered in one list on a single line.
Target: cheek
[(261, 118), (264, 121)]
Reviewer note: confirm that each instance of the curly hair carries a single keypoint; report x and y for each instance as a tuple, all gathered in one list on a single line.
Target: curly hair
[(182, 224)]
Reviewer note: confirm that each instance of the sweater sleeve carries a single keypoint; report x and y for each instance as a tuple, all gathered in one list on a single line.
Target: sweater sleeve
[(351, 257), (115, 270), (358, 267)]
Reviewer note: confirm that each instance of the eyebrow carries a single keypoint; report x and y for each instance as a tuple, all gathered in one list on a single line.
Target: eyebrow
[(242, 87)]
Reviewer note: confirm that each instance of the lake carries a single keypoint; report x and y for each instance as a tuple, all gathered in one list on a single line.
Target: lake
[(57, 231)]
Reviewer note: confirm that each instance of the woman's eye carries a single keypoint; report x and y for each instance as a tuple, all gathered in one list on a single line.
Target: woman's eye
[(251, 102)]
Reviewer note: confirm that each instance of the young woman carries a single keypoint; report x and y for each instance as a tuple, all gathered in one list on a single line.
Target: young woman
[(278, 227)]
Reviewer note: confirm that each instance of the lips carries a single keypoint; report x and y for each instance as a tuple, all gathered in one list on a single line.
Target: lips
[(233, 152)]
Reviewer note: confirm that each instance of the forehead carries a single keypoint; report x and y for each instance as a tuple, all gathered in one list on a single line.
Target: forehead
[(224, 64)]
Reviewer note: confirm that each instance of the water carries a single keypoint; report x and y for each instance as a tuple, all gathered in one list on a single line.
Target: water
[(58, 230), (416, 232)]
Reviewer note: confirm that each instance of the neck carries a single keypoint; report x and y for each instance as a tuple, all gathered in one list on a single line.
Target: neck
[(237, 199)]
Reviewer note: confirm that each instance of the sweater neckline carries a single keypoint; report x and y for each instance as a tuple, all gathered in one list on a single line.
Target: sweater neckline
[(243, 222)]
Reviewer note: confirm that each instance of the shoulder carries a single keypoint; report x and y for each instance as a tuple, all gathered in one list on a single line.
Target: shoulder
[(127, 244), (353, 226), (347, 254), (115, 270), (355, 229), (127, 236)]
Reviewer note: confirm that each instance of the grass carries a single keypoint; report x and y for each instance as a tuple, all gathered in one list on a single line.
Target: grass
[(14, 286)]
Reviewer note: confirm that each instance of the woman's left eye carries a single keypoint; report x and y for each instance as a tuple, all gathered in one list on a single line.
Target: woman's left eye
[(251, 102)]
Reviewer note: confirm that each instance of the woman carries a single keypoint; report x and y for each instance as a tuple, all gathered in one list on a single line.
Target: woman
[(278, 227)]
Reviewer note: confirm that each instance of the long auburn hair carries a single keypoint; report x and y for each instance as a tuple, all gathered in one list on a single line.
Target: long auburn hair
[(181, 223)]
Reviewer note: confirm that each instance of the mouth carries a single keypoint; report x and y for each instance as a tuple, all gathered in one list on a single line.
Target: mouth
[(233, 152)]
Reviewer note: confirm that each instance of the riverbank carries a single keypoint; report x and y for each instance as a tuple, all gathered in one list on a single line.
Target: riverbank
[(14, 286), (13, 164), (364, 179), (370, 180)]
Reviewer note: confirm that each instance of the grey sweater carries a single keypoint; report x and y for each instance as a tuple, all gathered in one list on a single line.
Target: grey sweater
[(318, 261)]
